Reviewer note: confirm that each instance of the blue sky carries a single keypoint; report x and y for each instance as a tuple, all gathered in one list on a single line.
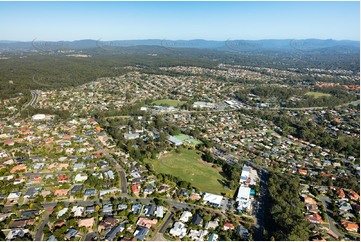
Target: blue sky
[(26, 21)]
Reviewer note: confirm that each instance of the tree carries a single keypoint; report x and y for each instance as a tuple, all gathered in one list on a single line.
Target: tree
[(2, 236), (285, 214)]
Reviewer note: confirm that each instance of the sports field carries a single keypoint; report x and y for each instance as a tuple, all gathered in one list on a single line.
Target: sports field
[(168, 102), (184, 137), (318, 94), (189, 166)]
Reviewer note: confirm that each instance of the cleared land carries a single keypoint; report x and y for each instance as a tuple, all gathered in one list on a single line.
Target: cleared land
[(188, 166), (318, 94), (168, 102)]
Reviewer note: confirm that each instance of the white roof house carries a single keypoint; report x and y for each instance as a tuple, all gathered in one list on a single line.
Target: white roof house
[(80, 177), (14, 195), (185, 216), (245, 174), (104, 192), (131, 136), (78, 211), (78, 166), (197, 235), (243, 198), (160, 211), (39, 117), (179, 230), (16, 233), (203, 105), (62, 212), (212, 199), (110, 174)]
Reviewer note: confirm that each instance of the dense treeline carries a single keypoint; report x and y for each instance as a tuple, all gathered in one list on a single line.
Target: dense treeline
[(314, 133), (286, 220), (281, 93), (37, 71), (281, 96), (52, 70)]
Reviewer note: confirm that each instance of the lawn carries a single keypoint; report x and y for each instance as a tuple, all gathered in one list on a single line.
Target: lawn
[(168, 102), (318, 94), (188, 166)]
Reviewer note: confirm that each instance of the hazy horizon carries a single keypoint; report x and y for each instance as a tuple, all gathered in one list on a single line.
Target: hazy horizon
[(10, 40), (219, 21)]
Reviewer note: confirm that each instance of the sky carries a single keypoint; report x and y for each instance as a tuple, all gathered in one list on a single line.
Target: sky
[(55, 21)]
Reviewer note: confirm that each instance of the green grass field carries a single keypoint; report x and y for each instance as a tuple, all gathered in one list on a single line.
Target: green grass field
[(318, 94), (168, 102), (188, 166), (184, 137)]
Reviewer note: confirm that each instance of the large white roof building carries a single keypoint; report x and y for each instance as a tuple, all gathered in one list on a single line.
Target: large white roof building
[(212, 199), (243, 198)]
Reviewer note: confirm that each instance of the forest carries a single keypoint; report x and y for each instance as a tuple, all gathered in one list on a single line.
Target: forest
[(281, 96), (285, 218), (22, 71)]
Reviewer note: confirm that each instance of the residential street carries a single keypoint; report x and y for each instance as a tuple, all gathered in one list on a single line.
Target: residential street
[(325, 201)]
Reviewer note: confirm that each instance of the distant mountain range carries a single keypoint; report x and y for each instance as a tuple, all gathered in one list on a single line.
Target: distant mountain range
[(344, 46)]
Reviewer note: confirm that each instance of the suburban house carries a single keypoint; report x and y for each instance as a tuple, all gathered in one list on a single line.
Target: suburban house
[(111, 235), (136, 208), (108, 208), (212, 199), (136, 189), (212, 224), (353, 195), (213, 237), (141, 232), (243, 232), (86, 222), (61, 192), (185, 216), (71, 233), (315, 218), (353, 227), (107, 223), (228, 226), (75, 189), (160, 211), (147, 222), (63, 178), (62, 212), (179, 230), (80, 177), (89, 192), (14, 197), (197, 219)]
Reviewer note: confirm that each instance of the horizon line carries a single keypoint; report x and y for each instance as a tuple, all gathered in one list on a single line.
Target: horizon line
[(164, 39)]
